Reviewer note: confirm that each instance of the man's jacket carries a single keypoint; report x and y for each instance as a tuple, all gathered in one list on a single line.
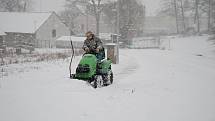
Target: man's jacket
[(93, 44)]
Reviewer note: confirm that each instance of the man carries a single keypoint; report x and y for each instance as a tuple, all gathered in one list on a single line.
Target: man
[(93, 45)]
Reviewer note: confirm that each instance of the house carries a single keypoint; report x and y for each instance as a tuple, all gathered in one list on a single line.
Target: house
[(65, 42), (2, 45), (2, 35), (38, 28)]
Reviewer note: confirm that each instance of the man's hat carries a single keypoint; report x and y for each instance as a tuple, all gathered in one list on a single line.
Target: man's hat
[(89, 32)]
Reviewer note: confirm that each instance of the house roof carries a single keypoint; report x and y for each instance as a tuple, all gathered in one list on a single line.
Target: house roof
[(73, 38), (2, 33), (21, 22)]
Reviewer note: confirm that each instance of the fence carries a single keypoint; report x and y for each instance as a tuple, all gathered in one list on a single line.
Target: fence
[(146, 42)]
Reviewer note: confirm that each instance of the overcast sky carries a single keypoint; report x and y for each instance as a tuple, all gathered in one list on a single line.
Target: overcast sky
[(57, 5)]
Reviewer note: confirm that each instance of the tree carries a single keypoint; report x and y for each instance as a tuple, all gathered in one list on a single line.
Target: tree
[(93, 7), (213, 18), (70, 13), (209, 14), (206, 8), (97, 10), (131, 14), (15, 5), (110, 12), (197, 17), (184, 11), (176, 15), (172, 8), (183, 16)]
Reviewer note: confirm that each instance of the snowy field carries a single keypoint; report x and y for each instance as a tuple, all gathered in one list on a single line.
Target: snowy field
[(177, 84)]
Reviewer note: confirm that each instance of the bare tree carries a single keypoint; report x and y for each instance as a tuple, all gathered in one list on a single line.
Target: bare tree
[(182, 14), (97, 10), (205, 6), (172, 8), (69, 14), (197, 17), (176, 15), (15, 5), (94, 7), (209, 14)]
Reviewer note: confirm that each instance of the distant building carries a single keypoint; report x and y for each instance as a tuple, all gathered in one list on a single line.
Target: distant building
[(2, 33), (40, 29), (2, 38)]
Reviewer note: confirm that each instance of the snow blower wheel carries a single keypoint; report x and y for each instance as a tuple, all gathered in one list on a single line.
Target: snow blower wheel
[(108, 79), (98, 81)]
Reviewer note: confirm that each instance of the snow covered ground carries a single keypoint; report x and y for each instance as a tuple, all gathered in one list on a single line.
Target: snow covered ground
[(149, 85)]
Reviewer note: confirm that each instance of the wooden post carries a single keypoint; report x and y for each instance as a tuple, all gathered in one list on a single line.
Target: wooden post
[(111, 52)]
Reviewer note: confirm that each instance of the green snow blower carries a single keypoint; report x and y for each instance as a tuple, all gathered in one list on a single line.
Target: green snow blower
[(94, 69)]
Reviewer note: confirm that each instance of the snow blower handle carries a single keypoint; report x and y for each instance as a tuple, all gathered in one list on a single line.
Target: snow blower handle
[(73, 53)]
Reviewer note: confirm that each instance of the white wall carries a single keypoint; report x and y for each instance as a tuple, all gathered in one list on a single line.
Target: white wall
[(44, 33)]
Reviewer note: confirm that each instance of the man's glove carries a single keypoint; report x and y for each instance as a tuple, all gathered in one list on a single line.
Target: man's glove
[(97, 50), (87, 49)]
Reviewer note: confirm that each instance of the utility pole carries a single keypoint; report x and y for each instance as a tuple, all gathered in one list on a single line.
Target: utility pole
[(118, 29)]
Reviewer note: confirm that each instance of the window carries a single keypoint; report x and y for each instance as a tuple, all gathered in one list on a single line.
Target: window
[(54, 33), (1, 40)]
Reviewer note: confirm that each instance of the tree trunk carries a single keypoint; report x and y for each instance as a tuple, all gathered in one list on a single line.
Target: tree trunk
[(197, 15), (209, 15), (97, 25), (87, 22), (212, 12), (176, 16), (24, 7), (183, 17)]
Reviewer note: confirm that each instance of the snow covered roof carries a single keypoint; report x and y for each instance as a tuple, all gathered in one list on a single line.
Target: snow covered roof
[(106, 36), (73, 38), (111, 44), (2, 33), (22, 22)]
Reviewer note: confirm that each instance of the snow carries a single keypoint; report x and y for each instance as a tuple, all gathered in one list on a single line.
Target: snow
[(22, 22), (73, 38), (149, 85), (105, 36), (2, 33), (111, 44)]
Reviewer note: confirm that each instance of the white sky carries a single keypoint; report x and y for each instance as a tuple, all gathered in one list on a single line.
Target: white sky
[(57, 5)]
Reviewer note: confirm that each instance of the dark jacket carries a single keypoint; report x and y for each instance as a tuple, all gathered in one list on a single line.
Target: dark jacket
[(92, 44)]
